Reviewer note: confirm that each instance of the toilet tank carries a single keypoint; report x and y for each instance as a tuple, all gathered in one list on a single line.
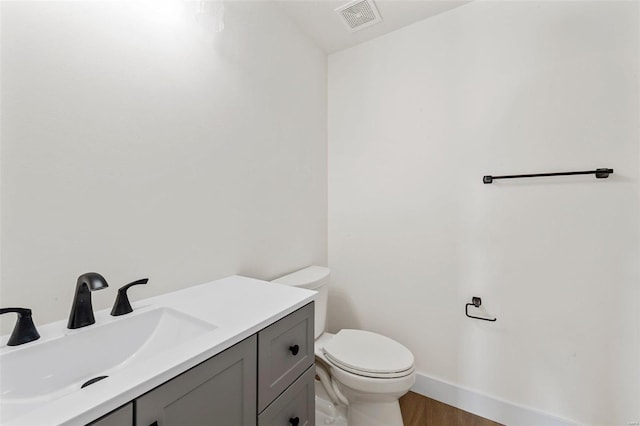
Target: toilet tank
[(313, 278)]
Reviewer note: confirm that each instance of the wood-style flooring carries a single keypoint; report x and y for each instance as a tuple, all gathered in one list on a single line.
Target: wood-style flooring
[(418, 410)]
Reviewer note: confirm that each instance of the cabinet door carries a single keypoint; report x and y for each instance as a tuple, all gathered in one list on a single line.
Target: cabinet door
[(219, 392), (123, 416), (296, 405)]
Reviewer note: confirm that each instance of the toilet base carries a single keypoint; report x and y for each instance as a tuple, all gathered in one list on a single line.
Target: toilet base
[(374, 414), (358, 414), (327, 413)]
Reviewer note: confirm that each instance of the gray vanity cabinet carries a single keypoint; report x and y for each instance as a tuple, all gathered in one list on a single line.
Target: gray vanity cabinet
[(220, 391), (267, 379)]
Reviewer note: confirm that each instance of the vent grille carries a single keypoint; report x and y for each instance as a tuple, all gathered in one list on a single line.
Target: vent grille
[(359, 14)]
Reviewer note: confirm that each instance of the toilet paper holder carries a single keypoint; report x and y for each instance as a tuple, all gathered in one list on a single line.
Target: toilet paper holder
[(476, 302)]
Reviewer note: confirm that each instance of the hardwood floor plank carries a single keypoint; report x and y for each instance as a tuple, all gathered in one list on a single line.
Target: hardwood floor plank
[(418, 410)]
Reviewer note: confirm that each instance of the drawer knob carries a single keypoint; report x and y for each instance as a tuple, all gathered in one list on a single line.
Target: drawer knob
[(294, 350), (295, 421)]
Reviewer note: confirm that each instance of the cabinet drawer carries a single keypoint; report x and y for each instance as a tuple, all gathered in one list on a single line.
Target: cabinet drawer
[(295, 407), (285, 351)]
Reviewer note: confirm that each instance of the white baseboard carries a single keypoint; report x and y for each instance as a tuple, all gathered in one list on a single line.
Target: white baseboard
[(482, 405)]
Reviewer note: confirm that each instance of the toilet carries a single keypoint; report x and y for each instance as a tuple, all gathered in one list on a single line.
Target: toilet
[(365, 372)]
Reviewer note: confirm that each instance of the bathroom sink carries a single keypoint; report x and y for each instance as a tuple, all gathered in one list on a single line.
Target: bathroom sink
[(35, 373)]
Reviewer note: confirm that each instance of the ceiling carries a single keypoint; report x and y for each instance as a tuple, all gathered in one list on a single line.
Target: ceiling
[(322, 24)]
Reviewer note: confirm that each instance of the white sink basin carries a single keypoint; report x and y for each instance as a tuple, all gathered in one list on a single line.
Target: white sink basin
[(42, 371)]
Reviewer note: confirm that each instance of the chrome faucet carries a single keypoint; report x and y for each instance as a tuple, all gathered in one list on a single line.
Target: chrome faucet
[(82, 310)]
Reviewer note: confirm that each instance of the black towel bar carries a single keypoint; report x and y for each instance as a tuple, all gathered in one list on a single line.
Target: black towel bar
[(600, 174)]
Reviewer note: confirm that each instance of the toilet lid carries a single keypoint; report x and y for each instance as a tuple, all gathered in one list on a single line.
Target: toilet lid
[(369, 354)]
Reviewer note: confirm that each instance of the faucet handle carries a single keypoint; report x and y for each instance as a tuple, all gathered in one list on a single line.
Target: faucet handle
[(24, 330), (122, 305)]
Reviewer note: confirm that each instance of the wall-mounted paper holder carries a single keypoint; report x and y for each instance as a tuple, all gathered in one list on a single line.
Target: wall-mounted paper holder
[(476, 302)]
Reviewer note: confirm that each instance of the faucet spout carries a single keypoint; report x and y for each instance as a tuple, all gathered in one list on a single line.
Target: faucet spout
[(82, 309)]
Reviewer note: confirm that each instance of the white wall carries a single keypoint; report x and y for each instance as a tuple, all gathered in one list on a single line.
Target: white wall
[(136, 142), (416, 118)]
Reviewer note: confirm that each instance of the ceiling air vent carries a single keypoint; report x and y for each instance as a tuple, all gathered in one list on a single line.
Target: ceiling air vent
[(359, 14)]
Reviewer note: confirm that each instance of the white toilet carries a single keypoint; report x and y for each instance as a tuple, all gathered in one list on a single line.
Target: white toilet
[(367, 372)]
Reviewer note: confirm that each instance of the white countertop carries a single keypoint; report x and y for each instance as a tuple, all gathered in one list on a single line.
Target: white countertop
[(238, 306)]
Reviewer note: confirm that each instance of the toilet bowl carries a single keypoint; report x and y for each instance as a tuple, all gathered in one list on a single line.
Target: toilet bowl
[(368, 372)]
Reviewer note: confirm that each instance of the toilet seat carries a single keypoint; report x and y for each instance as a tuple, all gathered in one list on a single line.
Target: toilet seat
[(369, 354)]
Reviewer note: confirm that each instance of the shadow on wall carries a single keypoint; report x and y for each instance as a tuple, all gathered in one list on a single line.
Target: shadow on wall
[(341, 313)]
